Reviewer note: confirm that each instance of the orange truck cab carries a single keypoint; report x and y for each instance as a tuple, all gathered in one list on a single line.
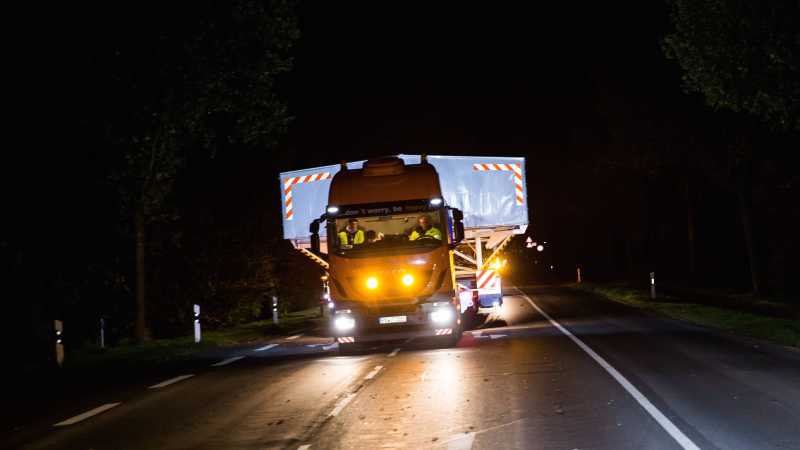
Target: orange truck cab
[(390, 241)]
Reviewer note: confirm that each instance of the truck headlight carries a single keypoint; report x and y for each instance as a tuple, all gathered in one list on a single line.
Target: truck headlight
[(442, 316), (343, 323), (408, 279), (372, 282)]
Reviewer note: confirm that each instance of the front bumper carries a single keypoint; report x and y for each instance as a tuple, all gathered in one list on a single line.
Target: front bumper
[(397, 335), (418, 322)]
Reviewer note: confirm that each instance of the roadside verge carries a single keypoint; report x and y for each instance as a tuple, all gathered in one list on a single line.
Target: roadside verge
[(784, 331)]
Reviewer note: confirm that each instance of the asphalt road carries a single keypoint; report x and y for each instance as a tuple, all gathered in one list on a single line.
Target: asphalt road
[(560, 370)]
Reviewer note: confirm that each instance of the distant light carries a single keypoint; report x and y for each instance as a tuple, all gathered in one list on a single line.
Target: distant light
[(330, 305), (372, 282), (408, 279), (333, 209), (436, 201), (551, 267), (540, 247), (326, 295), (418, 261)]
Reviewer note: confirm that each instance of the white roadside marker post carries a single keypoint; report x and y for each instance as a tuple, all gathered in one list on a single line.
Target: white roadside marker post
[(102, 333), (579, 275), (275, 309), (652, 285), (197, 333), (59, 328)]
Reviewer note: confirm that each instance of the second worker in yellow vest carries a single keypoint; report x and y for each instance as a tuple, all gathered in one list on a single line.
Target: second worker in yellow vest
[(425, 229)]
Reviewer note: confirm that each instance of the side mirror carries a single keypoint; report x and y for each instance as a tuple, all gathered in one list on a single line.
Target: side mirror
[(314, 229), (458, 226)]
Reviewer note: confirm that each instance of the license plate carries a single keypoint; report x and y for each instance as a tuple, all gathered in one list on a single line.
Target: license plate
[(392, 319)]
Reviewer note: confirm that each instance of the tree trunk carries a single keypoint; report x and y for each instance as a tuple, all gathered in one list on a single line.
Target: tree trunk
[(141, 328), (747, 225), (690, 229)]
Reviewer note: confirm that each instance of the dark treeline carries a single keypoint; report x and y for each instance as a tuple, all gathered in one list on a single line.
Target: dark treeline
[(176, 121)]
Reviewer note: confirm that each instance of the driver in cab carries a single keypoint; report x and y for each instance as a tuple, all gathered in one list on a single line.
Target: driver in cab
[(351, 234), (425, 230)]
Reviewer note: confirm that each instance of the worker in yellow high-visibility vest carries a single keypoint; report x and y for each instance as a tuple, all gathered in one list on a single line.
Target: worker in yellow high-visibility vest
[(351, 234), (425, 230)]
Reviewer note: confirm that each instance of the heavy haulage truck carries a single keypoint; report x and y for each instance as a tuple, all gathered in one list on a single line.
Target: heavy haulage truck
[(387, 277)]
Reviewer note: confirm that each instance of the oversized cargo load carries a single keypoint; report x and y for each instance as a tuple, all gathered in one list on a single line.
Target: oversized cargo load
[(489, 190)]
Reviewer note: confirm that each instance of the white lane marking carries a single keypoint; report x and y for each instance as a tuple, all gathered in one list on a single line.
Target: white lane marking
[(266, 347), (654, 412), (87, 414), (293, 337), (328, 347), (497, 336), (463, 442), (304, 447), (341, 404), (422, 377), (374, 372), (171, 381), (394, 353), (227, 361)]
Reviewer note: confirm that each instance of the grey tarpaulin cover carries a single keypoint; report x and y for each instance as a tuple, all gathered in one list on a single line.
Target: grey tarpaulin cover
[(486, 188)]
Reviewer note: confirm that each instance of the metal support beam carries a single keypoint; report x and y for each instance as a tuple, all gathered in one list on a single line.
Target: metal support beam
[(468, 258), (314, 258), (478, 252), (496, 251)]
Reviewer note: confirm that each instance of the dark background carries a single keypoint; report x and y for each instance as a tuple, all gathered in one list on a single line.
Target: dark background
[(582, 90)]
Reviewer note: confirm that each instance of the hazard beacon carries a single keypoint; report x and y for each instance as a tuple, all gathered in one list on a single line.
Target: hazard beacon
[(410, 243)]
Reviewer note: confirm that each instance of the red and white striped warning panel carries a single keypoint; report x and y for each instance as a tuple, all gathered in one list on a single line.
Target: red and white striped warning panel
[(487, 279), (516, 168), (443, 331), (346, 340), (289, 182)]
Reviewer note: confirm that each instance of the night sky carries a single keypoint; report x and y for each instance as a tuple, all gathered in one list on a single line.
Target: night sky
[(470, 80)]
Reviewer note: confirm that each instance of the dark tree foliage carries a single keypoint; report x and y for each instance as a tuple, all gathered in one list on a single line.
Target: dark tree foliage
[(189, 82), (741, 55)]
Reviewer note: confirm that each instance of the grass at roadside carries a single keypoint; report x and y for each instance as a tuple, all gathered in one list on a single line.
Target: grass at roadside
[(182, 348), (784, 331)]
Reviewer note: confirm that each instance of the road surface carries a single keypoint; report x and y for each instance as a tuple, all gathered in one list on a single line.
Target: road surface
[(562, 370)]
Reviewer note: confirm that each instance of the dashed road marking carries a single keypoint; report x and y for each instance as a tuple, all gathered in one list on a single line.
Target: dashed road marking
[(374, 372), (463, 442), (651, 409), (293, 337), (225, 362), (87, 414), (171, 381), (266, 347), (341, 404), (394, 353)]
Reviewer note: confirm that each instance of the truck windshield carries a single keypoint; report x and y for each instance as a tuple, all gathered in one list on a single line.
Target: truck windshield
[(392, 233)]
